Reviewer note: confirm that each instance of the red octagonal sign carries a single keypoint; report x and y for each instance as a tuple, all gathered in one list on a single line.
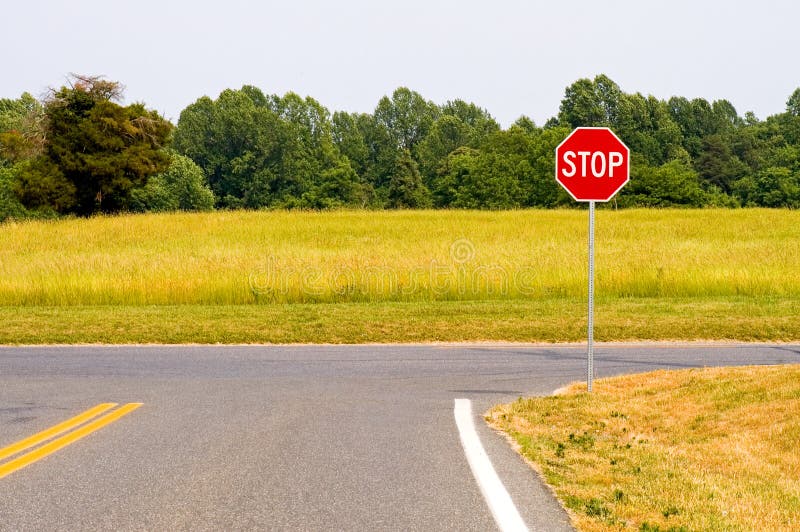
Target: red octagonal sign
[(592, 164)]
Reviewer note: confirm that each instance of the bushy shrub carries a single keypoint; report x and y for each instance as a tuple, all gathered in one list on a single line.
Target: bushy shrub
[(183, 187), (10, 206)]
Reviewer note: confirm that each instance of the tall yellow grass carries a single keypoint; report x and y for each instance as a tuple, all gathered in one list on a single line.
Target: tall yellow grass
[(264, 257)]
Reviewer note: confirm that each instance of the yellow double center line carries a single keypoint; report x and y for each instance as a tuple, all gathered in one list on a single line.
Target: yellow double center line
[(75, 428)]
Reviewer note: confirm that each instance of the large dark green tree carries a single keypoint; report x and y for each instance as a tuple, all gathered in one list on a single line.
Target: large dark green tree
[(96, 150)]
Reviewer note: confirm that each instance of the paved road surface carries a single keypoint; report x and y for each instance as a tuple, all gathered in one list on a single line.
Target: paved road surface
[(290, 438)]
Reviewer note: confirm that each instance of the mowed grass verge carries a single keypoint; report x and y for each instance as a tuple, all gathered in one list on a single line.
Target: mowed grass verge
[(354, 276), (706, 449), (438, 321)]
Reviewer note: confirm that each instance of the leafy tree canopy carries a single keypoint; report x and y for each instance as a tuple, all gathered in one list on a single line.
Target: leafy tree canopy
[(81, 151), (96, 150)]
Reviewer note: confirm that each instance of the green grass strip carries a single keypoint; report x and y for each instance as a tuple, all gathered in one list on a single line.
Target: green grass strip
[(744, 319)]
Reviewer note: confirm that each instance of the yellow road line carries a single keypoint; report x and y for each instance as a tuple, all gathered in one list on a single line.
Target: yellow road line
[(64, 426), (63, 441)]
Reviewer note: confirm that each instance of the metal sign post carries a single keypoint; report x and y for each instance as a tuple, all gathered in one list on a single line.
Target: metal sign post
[(590, 343)]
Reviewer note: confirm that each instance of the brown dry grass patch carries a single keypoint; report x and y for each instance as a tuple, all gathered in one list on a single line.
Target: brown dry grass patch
[(705, 449)]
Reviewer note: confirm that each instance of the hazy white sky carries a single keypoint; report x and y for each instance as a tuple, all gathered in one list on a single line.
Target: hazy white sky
[(511, 57)]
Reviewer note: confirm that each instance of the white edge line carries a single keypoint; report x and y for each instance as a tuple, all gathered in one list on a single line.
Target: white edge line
[(497, 498)]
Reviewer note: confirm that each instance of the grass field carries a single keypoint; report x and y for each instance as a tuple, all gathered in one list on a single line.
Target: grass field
[(710, 449), (353, 276)]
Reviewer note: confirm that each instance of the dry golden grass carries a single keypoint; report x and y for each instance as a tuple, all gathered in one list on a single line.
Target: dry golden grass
[(396, 276), (710, 449), (225, 258)]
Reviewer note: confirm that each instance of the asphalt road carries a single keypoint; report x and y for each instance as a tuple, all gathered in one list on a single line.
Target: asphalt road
[(290, 438)]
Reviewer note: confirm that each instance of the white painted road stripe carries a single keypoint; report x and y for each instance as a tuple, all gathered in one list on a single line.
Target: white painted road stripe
[(505, 513)]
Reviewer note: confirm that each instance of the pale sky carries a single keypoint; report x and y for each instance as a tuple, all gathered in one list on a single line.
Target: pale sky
[(511, 57)]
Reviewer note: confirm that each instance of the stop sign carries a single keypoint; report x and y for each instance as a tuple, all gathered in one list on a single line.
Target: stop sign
[(592, 164)]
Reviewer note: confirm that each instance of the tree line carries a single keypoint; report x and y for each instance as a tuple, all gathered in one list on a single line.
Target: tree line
[(80, 151)]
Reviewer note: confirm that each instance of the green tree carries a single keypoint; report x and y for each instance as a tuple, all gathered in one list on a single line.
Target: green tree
[(793, 103), (349, 139), (592, 103), (406, 190), (539, 185), (513, 168), (489, 178), (382, 156), (337, 187), (480, 122), (307, 147), (672, 184), (455, 171), (21, 114), (10, 205), (526, 124), (447, 133), (41, 186), (460, 124), (648, 129), (288, 151), (717, 165), (96, 151), (199, 136), (581, 106), (238, 141), (643, 123), (406, 116), (265, 151), (21, 129), (181, 187), (698, 119), (771, 187), (503, 173)]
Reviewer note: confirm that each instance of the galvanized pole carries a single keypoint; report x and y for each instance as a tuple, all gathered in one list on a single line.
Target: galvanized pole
[(590, 342)]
